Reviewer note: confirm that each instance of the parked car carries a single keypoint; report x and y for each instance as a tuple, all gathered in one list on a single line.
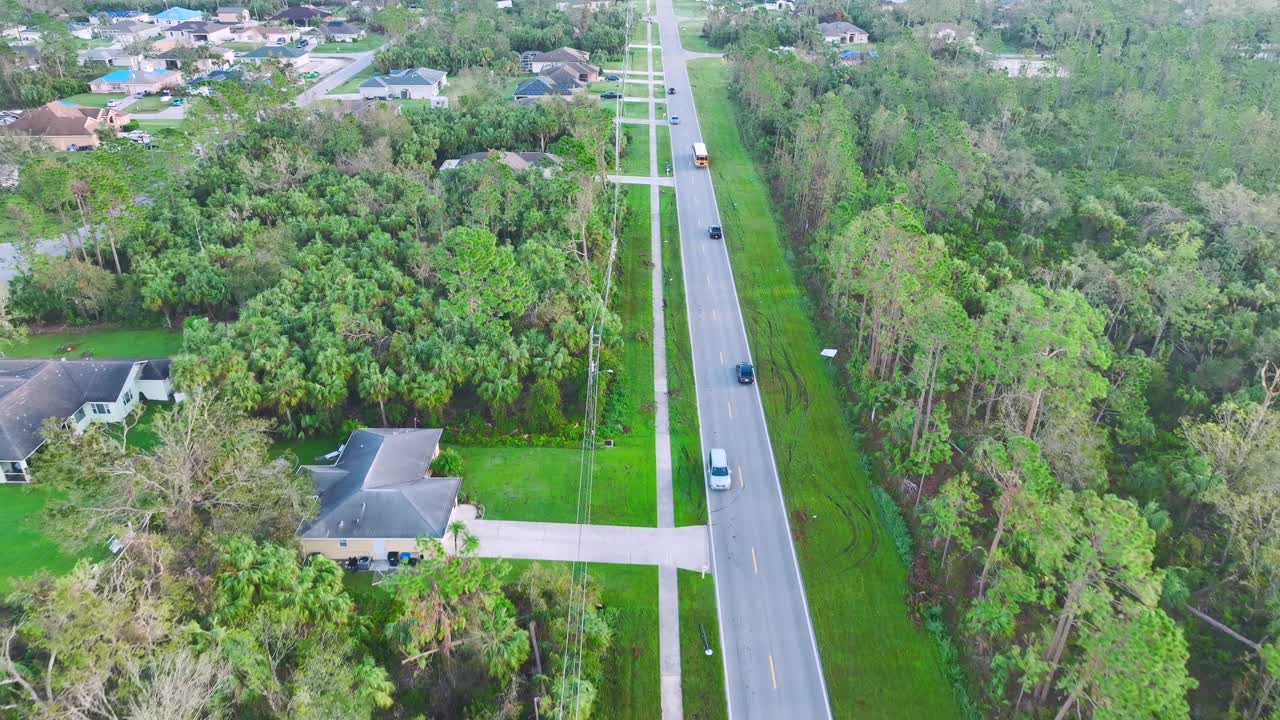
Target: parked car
[(746, 373), (310, 75), (719, 477), (179, 102), (302, 42), (716, 233), (671, 91), (611, 95), (112, 103), (674, 120), (612, 78), (280, 41)]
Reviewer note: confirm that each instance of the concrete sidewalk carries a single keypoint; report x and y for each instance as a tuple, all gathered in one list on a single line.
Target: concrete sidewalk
[(684, 547)]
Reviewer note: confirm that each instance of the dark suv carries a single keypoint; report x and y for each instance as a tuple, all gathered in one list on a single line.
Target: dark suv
[(746, 373), (716, 232)]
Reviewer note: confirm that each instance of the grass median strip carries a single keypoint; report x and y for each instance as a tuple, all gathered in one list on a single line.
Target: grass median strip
[(686, 449), (702, 675), (877, 661), (635, 157)]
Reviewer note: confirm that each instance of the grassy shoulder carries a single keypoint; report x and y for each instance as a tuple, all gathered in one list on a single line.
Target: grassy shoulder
[(701, 676), (635, 157), (877, 661), (372, 41), (98, 100), (99, 343), (353, 85), (682, 402), (691, 38), (27, 549)]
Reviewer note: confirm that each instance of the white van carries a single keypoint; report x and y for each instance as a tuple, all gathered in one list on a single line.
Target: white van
[(720, 478)]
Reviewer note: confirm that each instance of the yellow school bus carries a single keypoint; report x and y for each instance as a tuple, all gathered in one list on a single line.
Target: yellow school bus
[(700, 156)]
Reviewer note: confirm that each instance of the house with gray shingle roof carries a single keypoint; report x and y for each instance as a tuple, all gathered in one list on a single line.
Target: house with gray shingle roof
[(78, 391), (536, 61), (842, 32), (379, 496), (414, 84), (286, 54), (542, 87), (342, 31)]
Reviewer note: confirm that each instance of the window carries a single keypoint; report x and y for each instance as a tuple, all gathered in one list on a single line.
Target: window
[(128, 396), (342, 542), (99, 408), (79, 415)]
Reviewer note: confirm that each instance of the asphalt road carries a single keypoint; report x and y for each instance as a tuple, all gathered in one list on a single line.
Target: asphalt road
[(359, 61), (772, 668)]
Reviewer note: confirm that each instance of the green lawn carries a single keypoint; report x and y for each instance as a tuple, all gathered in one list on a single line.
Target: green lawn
[(631, 689), (701, 676), (877, 661), (691, 38), (635, 110), (690, 8), (105, 343), (98, 100), (682, 406), (26, 548), (639, 59), (657, 60), (372, 41), (154, 125), (91, 43), (241, 46), (148, 104), (636, 90), (353, 85), (635, 156)]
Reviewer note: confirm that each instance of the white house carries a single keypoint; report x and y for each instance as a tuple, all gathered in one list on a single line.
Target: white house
[(198, 32), (84, 31), (535, 61), (842, 33), (269, 34), (77, 391), (125, 32), (414, 84), (232, 15)]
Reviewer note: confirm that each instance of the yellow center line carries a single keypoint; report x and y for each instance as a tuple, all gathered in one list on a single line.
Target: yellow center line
[(730, 402), (773, 674), (754, 563)]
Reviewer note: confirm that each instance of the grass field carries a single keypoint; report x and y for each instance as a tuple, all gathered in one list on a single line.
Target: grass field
[(635, 110), (636, 90), (241, 46), (372, 41), (690, 8), (682, 404), (100, 343), (877, 661), (635, 157), (98, 100), (701, 676), (353, 85), (691, 38)]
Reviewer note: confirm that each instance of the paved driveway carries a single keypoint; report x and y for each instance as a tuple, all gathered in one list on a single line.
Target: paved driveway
[(356, 63)]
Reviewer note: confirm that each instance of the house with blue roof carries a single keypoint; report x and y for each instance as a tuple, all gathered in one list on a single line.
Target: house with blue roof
[(177, 16), (124, 80)]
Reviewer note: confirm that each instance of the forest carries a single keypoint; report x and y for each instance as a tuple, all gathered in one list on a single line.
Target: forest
[(1059, 293)]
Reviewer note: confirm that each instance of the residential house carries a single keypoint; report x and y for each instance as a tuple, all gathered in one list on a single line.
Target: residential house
[(342, 32), (198, 32), (269, 34), (857, 57), (84, 31), (302, 15), (202, 59), (136, 81), (286, 54), (413, 84), (503, 4), (64, 126), (950, 33), (541, 87), (177, 16), (582, 72), (517, 161), (232, 15), (27, 55), (535, 61), (843, 33), (113, 57), (30, 35), (127, 32), (379, 497), (77, 391)]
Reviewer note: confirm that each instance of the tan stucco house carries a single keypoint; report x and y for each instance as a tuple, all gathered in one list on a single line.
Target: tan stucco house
[(379, 496), (64, 126)]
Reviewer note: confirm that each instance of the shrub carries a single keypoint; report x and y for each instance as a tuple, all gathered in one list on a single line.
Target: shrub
[(543, 413), (447, 464), (891, 516)]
